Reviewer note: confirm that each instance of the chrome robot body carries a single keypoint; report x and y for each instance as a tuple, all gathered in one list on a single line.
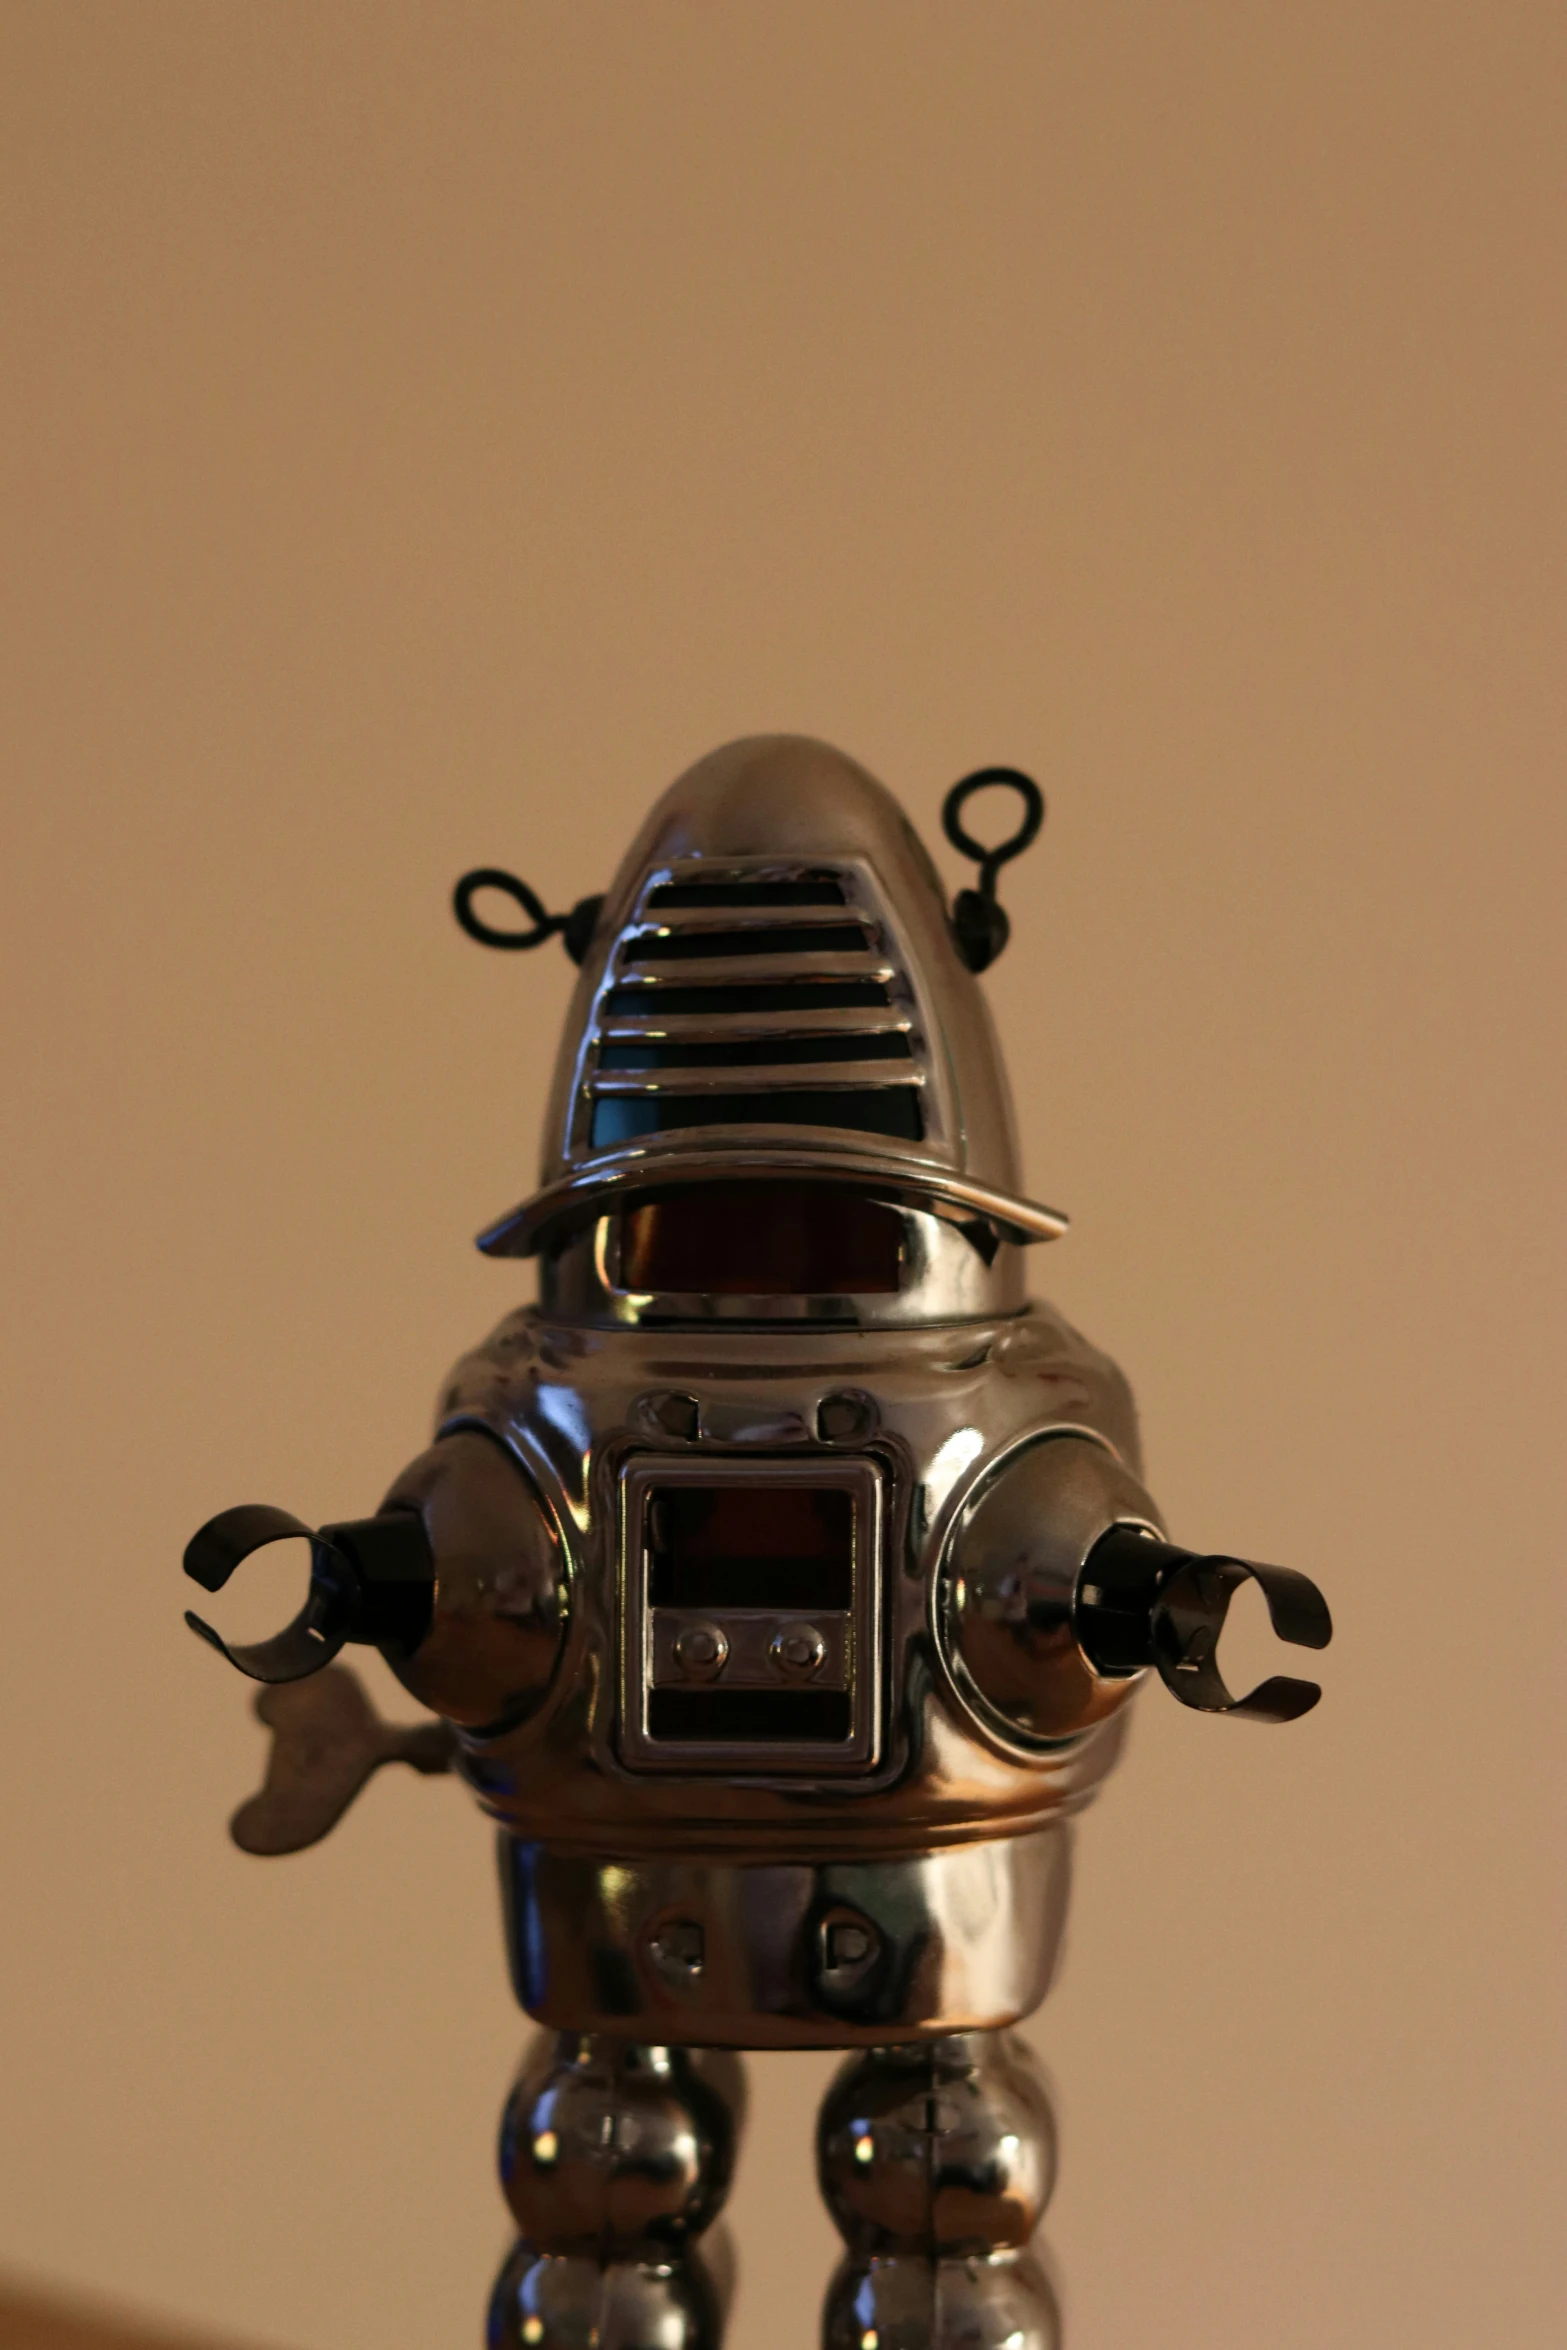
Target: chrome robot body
[(748, 1768), (780, 1579), (727, 1788)]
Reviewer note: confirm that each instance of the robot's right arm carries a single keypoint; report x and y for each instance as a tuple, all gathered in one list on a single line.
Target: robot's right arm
[(459, 1579)]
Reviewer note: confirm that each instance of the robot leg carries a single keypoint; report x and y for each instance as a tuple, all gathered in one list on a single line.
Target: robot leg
[(936, 2162), (615, 2156)]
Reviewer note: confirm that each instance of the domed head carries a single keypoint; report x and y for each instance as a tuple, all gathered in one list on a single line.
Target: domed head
[(772, 1009)]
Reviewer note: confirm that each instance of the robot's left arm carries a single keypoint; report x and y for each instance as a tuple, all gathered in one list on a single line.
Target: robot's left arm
[(1060, 1584)]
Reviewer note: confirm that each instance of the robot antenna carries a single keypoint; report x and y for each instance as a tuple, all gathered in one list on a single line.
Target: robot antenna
[(979, 922), (575, 929)]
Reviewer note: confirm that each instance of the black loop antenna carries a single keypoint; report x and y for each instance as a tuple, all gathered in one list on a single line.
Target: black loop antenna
[(979, 922), (575, 929)]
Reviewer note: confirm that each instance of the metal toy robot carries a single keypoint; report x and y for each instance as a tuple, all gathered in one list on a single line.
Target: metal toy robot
[(780, 1580)]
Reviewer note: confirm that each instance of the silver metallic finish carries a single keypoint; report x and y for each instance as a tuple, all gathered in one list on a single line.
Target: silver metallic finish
[(615, 2156), (804, 1652), (949, 2148), (609, 2145), (937, 2163), (570, 2301), (695, 930), (649, 1633), (665, 951), (1009, 1580), (499, 1604), (756, 1615), (593, 1189), (582, 1406), (946, 1277), (688, 1650), (749, 1648), (904, 2301), (788, 1954)]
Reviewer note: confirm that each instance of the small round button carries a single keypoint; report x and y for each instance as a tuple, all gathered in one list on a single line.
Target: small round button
[(701, 1651), (798, 1651), (843, 1417)]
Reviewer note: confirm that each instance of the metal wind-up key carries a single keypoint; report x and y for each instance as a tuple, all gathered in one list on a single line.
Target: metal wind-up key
[(778, 1582)]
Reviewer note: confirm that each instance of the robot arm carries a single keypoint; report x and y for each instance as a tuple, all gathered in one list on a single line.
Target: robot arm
[(1143, 1602), (1060, 1588), (458, 1579)]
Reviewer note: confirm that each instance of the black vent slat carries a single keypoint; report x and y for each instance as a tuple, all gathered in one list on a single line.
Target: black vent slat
[(731, 1003), (757, 1051), (682, 946), (765, 1714), (883, 1109), (720, 894), (799, 1586), (804, 995)]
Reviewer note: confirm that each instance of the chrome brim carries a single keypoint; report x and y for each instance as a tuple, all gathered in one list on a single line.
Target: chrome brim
[(610, 1183)]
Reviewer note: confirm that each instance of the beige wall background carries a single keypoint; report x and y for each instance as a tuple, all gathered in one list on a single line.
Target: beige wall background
[(427, 429)]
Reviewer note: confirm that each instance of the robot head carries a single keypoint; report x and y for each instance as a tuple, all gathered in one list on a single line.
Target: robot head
[(779, 1090)]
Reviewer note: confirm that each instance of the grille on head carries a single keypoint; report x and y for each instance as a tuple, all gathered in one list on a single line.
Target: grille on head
[(756, 998)]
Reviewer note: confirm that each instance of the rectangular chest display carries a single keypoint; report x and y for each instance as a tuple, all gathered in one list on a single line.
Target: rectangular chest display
[(750, 1615)]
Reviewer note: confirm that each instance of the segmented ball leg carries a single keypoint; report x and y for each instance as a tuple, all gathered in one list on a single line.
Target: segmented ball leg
[(614, 2158), (936, 2163)]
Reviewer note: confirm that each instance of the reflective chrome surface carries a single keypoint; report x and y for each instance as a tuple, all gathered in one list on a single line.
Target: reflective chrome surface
[(615, 2156), (775, 912), (787, 1954), (949, 2148), (928, 1411), (904, 2301), (500, 1584), (570, 2301), (608, 2144), (756, 1549), (948, 1275), (937, 2164), (1009, 1578), (754, 1652)]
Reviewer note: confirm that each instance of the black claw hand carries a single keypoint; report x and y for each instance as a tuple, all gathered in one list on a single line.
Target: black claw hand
[(1143, 1602), (370, 1580)]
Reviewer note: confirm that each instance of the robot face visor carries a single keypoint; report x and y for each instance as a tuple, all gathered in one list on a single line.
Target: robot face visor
[(777, 1251)]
